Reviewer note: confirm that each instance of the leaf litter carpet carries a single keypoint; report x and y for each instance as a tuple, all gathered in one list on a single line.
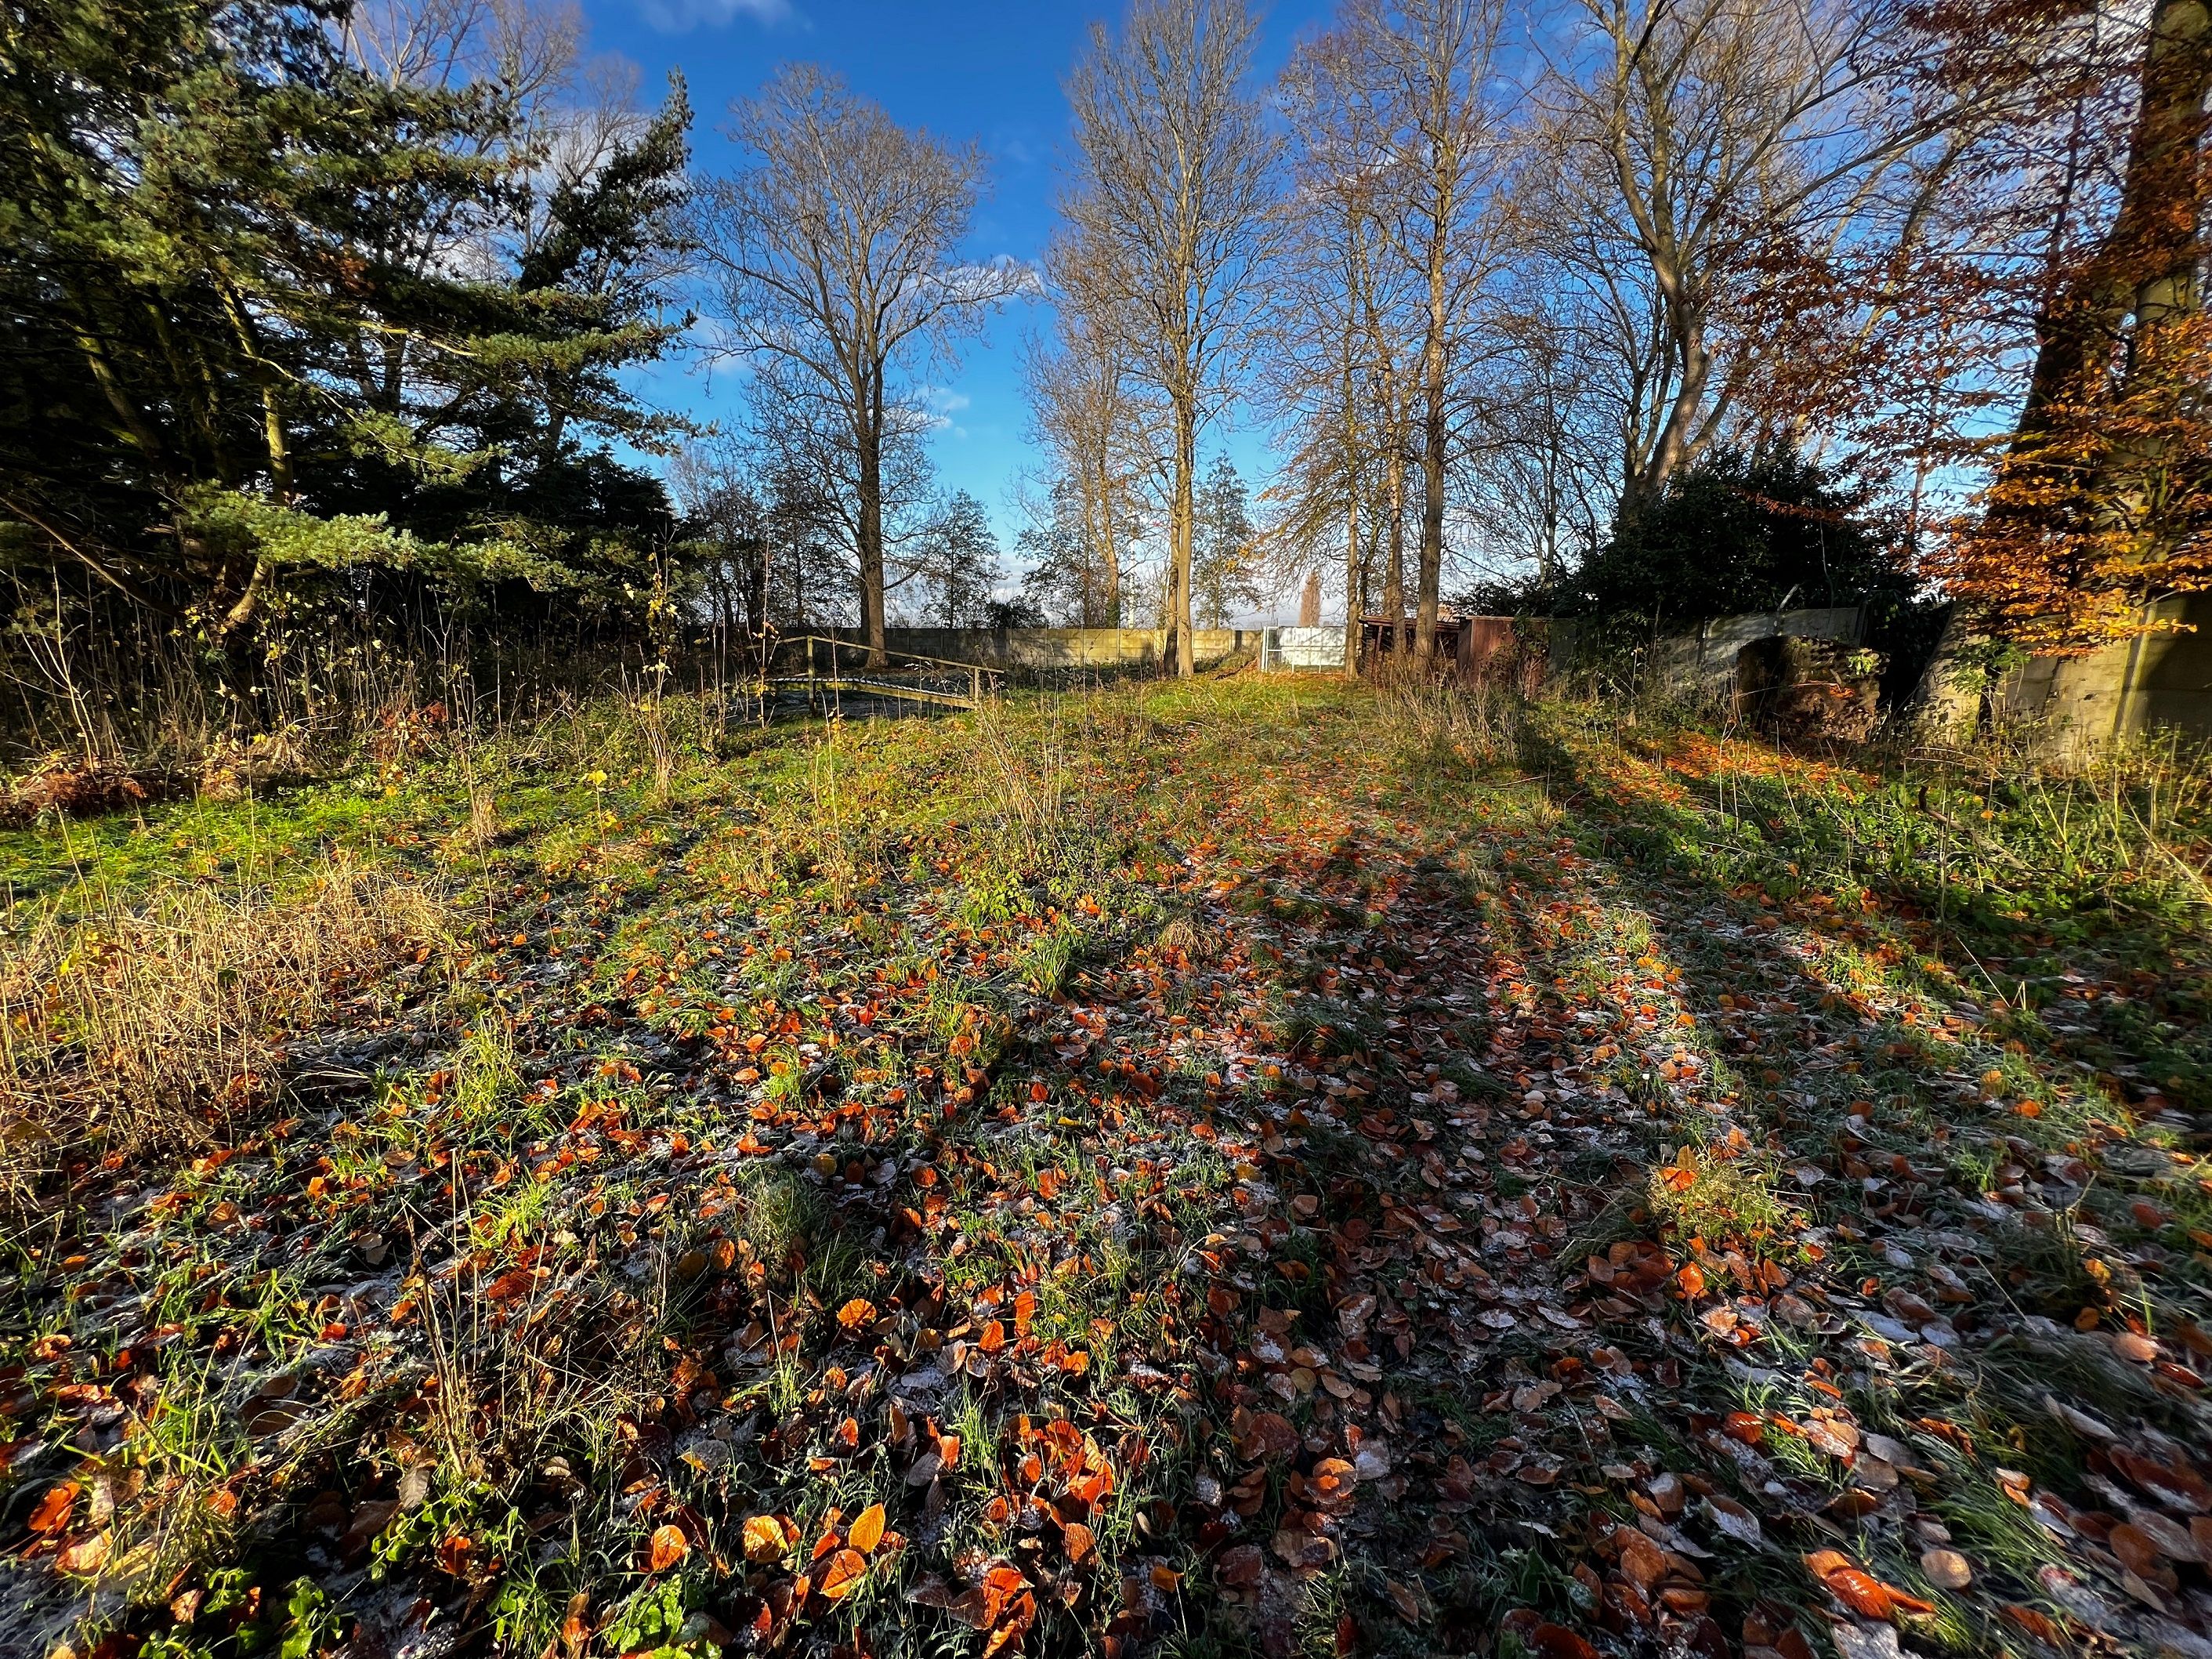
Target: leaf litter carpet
[(1388, 1223)]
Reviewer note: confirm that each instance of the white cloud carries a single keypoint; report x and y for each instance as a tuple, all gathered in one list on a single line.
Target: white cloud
[(937, 405), (681, 17)]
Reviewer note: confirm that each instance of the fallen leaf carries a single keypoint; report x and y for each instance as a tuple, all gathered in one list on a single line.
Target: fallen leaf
[(86, 1555), (1557, 1641), (843, 1574), (1642, 1562), (1947, 1568), (53, 1509), (1333, 1481), (867, 1530), (1860, 1591), (1733, 1521), (668, 1546), (1241, 1568), (764, 1539), (2134, 1548)]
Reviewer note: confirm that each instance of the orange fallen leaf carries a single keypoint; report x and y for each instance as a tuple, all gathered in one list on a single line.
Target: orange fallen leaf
[(843, 1574), (867, 1530), (52, 1512), (1745, 1426), (576, 1627), (669, 1546), (764, 1539), (1333, 1481), (1079, 1541), (855, 1314)]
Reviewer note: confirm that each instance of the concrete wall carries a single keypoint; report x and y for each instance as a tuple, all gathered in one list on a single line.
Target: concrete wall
[(1703, 662), (1700, 662), (2157, 681), (1048, 650)]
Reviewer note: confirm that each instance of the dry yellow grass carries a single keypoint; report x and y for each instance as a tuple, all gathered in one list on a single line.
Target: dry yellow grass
[(140, 1023)]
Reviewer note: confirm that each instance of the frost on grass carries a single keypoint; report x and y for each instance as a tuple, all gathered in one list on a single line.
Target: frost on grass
[(1112, 1175)]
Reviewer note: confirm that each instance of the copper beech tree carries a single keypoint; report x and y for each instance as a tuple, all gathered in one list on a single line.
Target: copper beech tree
[(2100, 503)]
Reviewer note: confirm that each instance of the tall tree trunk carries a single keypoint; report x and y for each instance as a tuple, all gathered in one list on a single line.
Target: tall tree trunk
[(1393, 573), (1431, 576), (1351, 628), (1350, 409), (1185, 470), (2146, 263), (1648, 482), (1109, 546), (870, 437)]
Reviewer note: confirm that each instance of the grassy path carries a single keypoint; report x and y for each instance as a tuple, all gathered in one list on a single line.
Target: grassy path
[(1253, 1167)]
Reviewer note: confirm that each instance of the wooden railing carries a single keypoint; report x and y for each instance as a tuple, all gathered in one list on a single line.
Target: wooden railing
[(862, 679)]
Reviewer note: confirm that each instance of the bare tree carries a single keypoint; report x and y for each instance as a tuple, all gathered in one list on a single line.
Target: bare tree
[(1545, 471), (525, 51), (520, 56), (1087, 418), (837, 255), (1699, 147), (1166, 224), (1427, 64), (1318, 378), (1333, 373)]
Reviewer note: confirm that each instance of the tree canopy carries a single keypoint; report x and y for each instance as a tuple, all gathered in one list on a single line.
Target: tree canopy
[(267, 315)]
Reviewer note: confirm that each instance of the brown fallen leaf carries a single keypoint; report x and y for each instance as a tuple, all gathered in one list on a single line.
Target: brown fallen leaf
[(1557, 1641), (369, 1519), (1642, 1562), (2133, 1546), (576, 1626), (85, 1554), (1947, 1568), (2129, 1345), (1306, 1551), (1241, 1568)]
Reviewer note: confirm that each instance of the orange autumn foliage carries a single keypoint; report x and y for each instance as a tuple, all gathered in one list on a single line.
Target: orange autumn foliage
[(2106, 509)]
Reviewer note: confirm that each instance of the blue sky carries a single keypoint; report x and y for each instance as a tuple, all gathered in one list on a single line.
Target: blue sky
[(985, 71)]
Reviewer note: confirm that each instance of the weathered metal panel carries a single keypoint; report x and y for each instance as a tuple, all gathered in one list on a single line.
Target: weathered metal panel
[(1303, 649)]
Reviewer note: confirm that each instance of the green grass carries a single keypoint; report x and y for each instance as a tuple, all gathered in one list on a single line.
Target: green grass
[(730, 1032)]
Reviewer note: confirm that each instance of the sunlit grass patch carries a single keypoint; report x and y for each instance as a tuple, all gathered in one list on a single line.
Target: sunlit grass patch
[(151, 1021)]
